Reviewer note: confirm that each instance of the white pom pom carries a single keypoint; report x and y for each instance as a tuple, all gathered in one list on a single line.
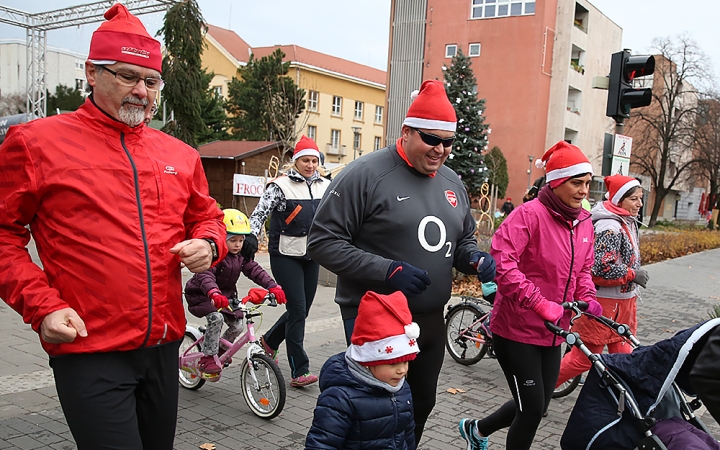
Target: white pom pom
[(539, 164), (412, 331), (414, 94)]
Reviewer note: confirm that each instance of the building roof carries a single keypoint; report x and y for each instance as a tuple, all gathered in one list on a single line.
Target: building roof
[(302, 55), (295, 54), (230, 41), (235, 149)]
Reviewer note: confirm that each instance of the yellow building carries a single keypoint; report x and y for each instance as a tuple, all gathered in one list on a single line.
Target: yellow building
[(345, 109)]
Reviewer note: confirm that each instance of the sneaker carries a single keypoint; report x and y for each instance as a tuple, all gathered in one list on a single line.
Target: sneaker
[(209, 364), (468, 431), (303, 380), (270, 352)]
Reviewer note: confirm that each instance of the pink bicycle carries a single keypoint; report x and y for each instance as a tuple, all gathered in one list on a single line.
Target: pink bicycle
[(262, 383)]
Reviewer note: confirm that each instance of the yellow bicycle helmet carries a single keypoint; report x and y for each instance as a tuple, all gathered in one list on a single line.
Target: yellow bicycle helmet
[(236, 222)]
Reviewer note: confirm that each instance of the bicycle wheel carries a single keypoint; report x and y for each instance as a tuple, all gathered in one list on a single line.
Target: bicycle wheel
[(463, 321), (189, 380), (567, 387), (266, 397)]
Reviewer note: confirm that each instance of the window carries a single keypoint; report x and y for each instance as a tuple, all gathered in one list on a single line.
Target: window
[(79, 65), (450, 50), (581, 17), (337, 105), (218, 91), (378, 114), (356, 140), (359, 110), (312, 132), (376, 145), (474, 50), (488, 9), (79, 84), (313, 100), (335, 138)]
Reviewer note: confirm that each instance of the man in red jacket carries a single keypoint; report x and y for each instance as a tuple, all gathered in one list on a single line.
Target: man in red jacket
[(115, 209)]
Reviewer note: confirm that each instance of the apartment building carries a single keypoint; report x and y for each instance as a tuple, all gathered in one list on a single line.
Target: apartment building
[(345, 100), (61, 67), (534, 62)]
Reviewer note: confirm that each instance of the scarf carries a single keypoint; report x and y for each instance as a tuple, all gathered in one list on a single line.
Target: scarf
[(548, 198), (364, 375)]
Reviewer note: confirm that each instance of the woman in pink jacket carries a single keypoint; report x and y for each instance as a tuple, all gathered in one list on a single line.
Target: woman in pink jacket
[(544, 253)]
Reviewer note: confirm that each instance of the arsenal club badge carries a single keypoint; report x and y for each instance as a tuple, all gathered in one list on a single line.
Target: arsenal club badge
[(451, 198)]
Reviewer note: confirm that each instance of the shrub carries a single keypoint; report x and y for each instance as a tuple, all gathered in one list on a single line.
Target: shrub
[(714, 313), (662, 245)]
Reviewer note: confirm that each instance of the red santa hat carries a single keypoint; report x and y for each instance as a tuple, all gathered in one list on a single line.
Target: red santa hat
[(384, 332), (618, 186), (124, 38), (431, 109), (563, 161), (306, 147)]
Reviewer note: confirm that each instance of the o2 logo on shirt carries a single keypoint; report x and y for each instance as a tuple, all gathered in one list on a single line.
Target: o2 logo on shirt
[(443, 236)]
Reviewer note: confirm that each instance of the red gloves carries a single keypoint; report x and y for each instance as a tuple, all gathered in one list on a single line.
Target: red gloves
[(550, 311), (255, 296), (217, 298), (279, 294)]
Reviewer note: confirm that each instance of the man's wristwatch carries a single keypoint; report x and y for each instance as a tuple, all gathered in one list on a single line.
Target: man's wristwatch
[(213, 248)]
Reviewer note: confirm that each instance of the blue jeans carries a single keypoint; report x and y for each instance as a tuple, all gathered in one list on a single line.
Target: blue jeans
[(298, 278)]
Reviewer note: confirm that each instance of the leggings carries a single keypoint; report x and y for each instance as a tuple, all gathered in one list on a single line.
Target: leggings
[(531, 372), (424, 370), (120, 400), (298, 278)]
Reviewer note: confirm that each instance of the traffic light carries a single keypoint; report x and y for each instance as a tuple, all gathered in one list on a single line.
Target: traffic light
[(621, 95)]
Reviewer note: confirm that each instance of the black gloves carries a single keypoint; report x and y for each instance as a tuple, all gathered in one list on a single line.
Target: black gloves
[(407, 279), (250, 247), (641, 277), (485, 266)]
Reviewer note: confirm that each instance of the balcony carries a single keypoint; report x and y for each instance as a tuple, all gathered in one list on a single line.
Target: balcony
[(336, 151)]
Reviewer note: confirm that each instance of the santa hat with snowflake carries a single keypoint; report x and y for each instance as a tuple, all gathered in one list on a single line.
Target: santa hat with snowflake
[(431, 109), (563, 161), (618, 186), (384, 332), (306, 147)]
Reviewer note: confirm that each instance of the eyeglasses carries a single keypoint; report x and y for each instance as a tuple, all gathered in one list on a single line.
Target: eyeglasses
[(434, 141), (131, 80)]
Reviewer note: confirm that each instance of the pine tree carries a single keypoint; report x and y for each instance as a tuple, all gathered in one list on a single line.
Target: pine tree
[(65, 99), (466, 158), (183, 29), (497, 170), (212, 111)]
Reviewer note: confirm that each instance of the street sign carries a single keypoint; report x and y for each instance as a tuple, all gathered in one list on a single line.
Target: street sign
[(622, 147)]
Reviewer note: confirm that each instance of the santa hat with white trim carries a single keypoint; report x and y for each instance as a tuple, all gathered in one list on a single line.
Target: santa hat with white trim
[(619, 185), (384, 332), (431, 109), (563, 161), (306, 147)]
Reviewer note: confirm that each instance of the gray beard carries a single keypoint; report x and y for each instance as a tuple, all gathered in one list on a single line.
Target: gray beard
[(131, 116)]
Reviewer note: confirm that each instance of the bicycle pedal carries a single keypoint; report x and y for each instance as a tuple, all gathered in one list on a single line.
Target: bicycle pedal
[(212, 377)]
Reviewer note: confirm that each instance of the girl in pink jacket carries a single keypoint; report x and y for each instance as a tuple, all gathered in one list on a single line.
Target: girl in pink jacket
[(544, 253)]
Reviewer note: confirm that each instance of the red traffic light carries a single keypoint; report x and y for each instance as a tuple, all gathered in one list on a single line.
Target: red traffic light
[(638, 66), (622, 97)]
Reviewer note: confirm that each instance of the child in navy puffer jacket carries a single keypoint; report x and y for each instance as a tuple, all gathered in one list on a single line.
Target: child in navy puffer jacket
[(364, 400), (213, 294)]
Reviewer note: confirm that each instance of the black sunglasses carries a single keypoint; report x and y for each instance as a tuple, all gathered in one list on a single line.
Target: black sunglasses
[(434, 141)]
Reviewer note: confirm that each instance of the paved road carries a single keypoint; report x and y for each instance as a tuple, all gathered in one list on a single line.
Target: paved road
[(679, 294)]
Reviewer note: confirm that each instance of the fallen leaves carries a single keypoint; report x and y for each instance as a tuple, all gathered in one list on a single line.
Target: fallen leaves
[(208, 447), (455, 391)]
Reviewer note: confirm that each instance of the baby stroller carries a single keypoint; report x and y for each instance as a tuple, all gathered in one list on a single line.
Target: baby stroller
[(628, 399)]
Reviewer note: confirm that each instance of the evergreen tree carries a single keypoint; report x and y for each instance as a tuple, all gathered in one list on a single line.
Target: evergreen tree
[(264, 102), (212, 110), (466, 157), (183, 29), (65, 99), (497, 170)]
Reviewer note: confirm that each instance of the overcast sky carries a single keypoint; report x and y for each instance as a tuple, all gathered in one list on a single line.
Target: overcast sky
[(359, 31)]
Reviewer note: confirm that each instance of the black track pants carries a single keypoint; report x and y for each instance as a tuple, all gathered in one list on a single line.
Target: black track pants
[(705, 374), (120, 400), (531, 372)]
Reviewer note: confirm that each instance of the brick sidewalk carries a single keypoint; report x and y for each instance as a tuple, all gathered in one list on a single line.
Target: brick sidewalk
[(680, 293)]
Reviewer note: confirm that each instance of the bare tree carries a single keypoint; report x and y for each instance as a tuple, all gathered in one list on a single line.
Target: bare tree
[(707, 148), (13, 104), (664, 132), (289, 113)]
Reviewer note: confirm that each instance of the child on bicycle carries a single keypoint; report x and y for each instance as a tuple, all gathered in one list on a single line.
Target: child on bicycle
[(364, 400), (213, 294)]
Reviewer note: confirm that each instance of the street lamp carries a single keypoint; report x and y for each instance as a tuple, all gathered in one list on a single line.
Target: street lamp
[(356, 142), (531, 158)]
